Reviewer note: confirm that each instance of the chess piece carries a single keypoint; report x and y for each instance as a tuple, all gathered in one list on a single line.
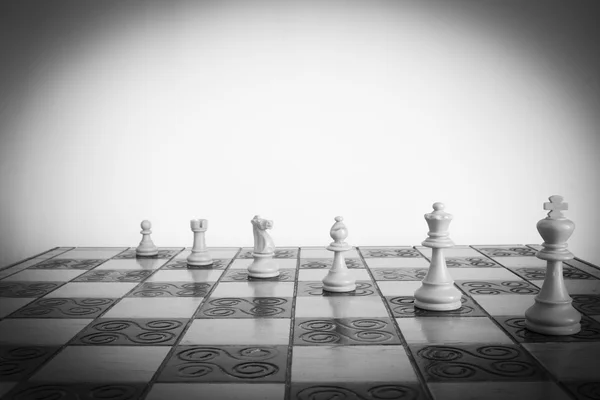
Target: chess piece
[(146, 247), (552, 312), (263, 265), (339, 278), (437, 291), (199, 255)]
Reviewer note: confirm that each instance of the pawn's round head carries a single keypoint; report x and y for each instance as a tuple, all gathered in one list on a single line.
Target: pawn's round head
[(339, 219), (146, 225), (438, 206)]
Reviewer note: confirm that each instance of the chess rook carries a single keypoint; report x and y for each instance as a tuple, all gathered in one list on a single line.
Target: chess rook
[(339, 278), (437, 291), (552, 313), (263, 266), (199, 255), (146, 247)]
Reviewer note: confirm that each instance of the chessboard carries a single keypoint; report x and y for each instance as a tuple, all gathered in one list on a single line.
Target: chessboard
[(101, 323)]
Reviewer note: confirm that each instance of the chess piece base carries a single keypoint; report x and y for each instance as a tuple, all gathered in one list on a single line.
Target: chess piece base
[(199, 259), (146, 252), (557, 319), (339, 282), (263, 266), (438, 297)]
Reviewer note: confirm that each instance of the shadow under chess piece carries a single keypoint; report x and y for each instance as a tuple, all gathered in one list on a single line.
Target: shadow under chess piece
[(199, 256), (263, 266), (437, 291), (339, 278), (552, 313), (146, 247)]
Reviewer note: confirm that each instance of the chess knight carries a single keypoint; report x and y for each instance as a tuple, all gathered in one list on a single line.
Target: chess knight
[(263, 244), (263, 265)]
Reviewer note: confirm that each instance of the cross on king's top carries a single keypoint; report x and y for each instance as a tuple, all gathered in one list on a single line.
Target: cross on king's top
[(556, 206)]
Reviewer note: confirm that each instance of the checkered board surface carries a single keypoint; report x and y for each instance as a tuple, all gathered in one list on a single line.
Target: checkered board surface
[(87, 323)]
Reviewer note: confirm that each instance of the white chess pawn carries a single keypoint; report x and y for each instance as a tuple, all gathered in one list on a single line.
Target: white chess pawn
[(339, 278), (437, 291), (263, 266), (199, 255), (146, 247), (552, 313)]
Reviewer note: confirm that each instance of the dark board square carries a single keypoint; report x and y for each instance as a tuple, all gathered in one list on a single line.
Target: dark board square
[(470, 262), (497, 287), (64, 308), (68, 391), (403, 306), (246, 307), (344, 331), (310, 288), (279, 253), (387, 252), (171, 289), (219, 263), (19, 362), (479, 362), (507, 251), (583, 390), (113, 275), (27, 289), (539, 273), (240, 364), (237, 275), (357, 391), (162, 254), (587, 303), (67, 264), (138, 331), (399, 274), (324, 263), (590, 331)]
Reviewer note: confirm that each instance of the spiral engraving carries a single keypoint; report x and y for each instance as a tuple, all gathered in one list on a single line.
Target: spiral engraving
[(381, 253), (254, 307), (254, 370), (587, 303), (127, 331), (345, 331), (24, 289), (452, 371), (222, 363), (445, 362), (67, 264), (53, 392), (131, 254), (113, 276), (507, 252), (404, 274), (328, 392), (156, 289), (494, 288), (457, 262), (67, 392), (60, 307), (113, 392), (589, 390), (394, 392)]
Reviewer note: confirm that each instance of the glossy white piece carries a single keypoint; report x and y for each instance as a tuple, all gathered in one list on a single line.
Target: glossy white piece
[(552, 313), (437, 291), (146, 247), (199, 255), (263, 266), (339, 278)]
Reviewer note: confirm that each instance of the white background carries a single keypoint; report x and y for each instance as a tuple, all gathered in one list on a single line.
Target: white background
[(301, 111)]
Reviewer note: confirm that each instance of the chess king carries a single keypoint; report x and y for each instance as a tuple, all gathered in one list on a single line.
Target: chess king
[(263, 265), (552, 313)]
